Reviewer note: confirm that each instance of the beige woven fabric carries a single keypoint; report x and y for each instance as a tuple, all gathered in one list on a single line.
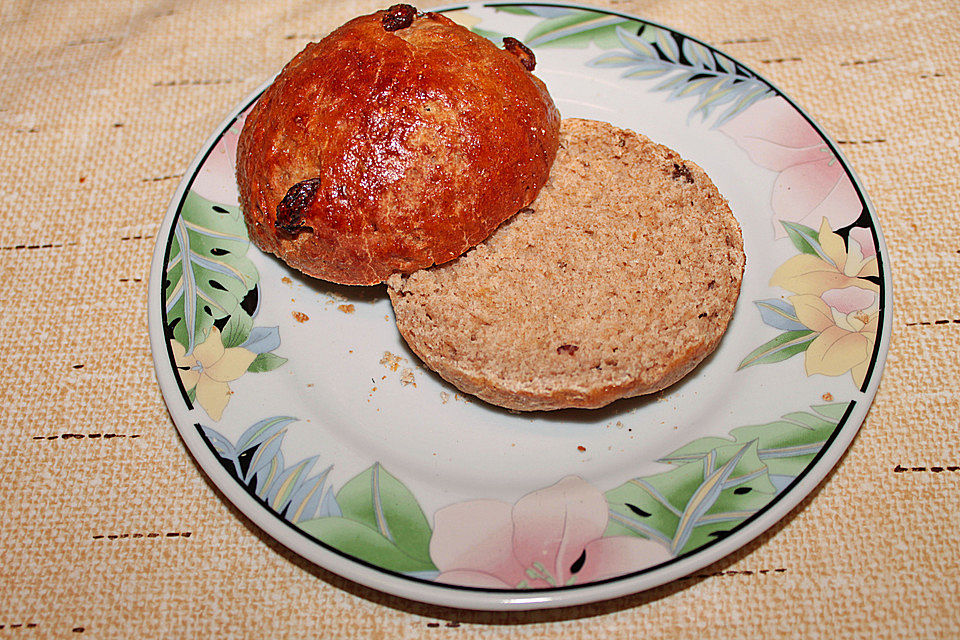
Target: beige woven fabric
[(110, 530)]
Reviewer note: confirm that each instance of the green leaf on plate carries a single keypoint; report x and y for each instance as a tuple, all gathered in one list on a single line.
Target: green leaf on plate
[(728, 510), (383, 504), (718, 482), (786, 446), (687, 505), (265, 362), (577, 30), (651, 507), (805, 239), (364, 543), (237, 329), (785, 345), (208, 273), (519, 11), (833, 411)]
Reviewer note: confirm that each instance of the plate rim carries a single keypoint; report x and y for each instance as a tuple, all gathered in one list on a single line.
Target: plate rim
[(473, 598)]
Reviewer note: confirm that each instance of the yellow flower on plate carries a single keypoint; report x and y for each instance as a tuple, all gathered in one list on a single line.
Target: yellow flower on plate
[(839, 266), (209, 368), (847, 321), (835, 300)]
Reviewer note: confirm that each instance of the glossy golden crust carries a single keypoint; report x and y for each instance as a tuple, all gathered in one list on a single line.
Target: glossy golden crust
[(417, 143)]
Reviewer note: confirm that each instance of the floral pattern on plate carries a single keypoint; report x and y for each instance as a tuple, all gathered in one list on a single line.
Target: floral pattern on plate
[(567, 523), (566, 534)]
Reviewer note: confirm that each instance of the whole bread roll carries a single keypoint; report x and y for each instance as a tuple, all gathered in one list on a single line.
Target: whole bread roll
[(398, 141)]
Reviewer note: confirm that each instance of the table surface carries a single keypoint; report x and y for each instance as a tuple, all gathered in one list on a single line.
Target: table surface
[(102, 107)]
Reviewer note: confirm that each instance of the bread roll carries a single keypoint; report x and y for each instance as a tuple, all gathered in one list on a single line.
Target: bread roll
[(617, 281), (398, 141)]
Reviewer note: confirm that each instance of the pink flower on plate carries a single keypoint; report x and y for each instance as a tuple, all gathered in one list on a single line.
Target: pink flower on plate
[(549, 538), (217, 180), (865, 244), (811, 184)]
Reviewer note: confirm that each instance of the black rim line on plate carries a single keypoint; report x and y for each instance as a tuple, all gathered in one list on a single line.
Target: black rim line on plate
[(865, 212)]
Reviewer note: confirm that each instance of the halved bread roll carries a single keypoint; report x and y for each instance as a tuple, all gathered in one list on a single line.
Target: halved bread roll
[(617, 281)]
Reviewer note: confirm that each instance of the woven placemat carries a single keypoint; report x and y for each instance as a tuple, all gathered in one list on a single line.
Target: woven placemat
[(109, 529)]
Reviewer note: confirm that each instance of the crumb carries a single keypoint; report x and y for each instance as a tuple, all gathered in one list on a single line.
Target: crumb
[(444, 397), (300, 317), (827, 397), (581, 448), (286, 280), (309, 384), (346, 308), (406, 377), (391, 361), (383, 377), (387, 318), (619, 425)]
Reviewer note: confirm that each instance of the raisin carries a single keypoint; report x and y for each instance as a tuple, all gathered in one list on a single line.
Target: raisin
[(517, 48), (682, 171), (291, 208), (399, 16), (567, 348)]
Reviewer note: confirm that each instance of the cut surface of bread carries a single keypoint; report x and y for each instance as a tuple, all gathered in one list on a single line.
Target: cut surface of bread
[(617, 281)]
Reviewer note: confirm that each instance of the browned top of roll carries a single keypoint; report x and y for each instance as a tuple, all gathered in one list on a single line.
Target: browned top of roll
[(398, 141)]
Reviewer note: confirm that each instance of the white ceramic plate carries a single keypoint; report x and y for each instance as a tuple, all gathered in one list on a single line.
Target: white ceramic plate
[(301, 402)]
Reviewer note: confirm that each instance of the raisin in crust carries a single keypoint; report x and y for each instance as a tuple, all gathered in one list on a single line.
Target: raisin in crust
[(397, 142), (617, 281)]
